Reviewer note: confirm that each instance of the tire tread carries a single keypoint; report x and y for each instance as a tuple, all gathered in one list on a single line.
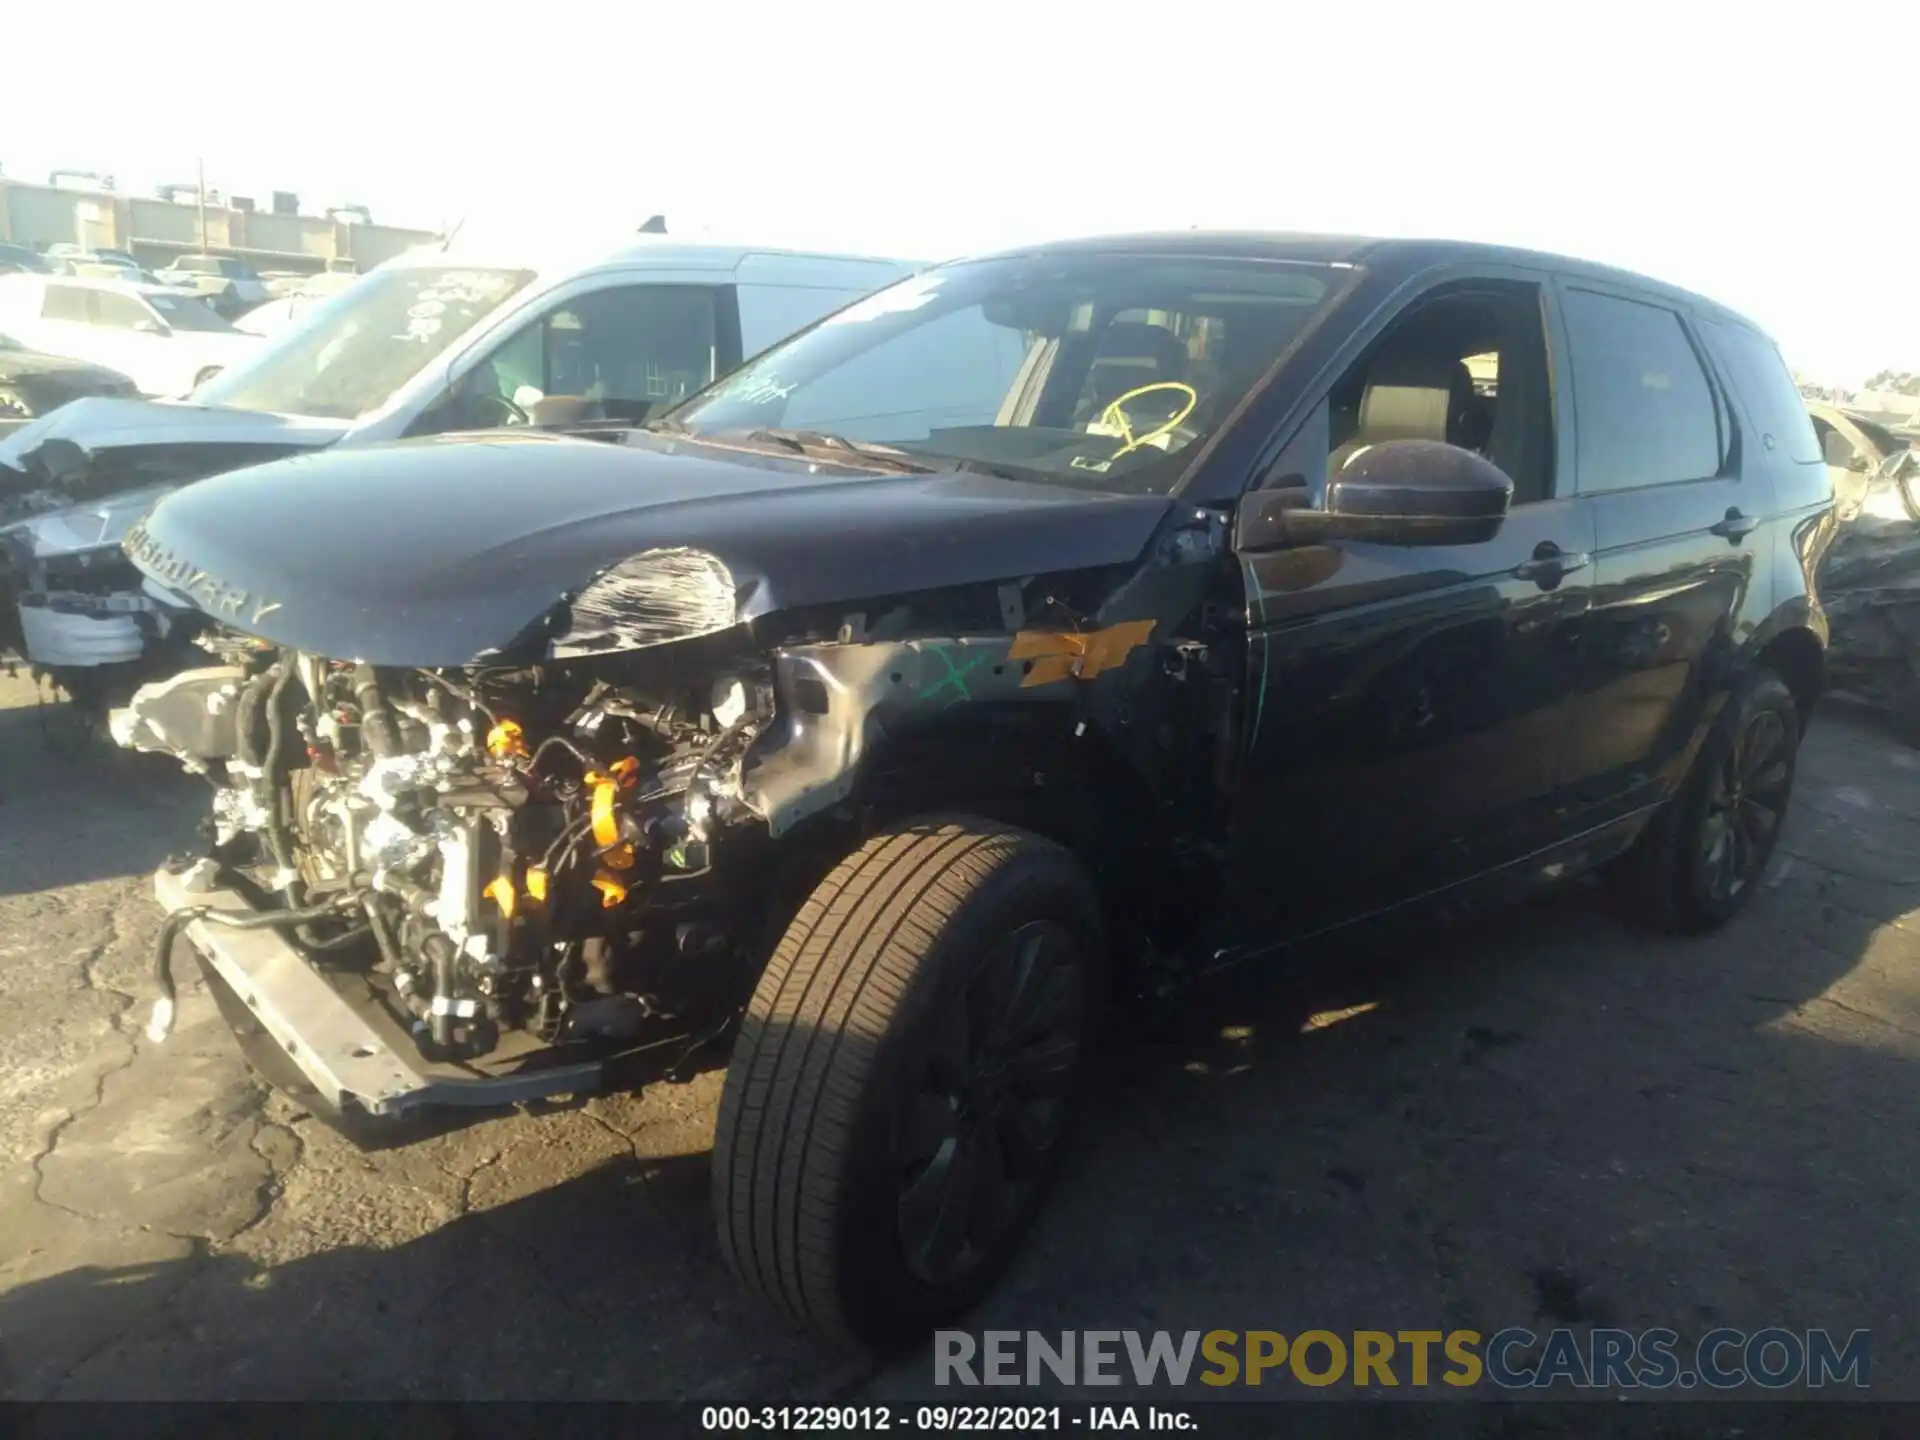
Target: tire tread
[(836, 983)]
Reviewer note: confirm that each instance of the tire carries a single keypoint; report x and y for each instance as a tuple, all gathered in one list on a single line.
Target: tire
[(1680, 877), (864, 1076)]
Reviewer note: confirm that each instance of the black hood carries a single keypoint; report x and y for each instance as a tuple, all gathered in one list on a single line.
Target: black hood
[(57, 375), (455, 549), (19, 364)]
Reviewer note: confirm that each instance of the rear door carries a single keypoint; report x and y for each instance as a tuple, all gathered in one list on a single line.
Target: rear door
[(1678, 528)]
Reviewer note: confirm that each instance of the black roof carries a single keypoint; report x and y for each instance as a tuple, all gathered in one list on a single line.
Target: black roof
[(1403, 255)]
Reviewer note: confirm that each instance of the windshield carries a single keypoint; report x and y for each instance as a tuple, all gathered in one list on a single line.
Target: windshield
[(347, 357), (1094, 369), (185, 312)]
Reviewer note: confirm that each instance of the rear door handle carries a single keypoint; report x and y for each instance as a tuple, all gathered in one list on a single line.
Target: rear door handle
[(1550, 564), (1736, 527)]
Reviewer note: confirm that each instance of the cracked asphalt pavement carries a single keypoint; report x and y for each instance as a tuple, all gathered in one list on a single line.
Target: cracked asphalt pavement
[(1545, 1117)]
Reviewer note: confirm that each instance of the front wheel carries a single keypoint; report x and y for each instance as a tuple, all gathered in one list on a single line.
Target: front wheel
[(1701, 857), (904, 1077)]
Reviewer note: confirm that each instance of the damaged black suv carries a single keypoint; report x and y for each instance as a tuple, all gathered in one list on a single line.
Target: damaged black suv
[(1027, 638)]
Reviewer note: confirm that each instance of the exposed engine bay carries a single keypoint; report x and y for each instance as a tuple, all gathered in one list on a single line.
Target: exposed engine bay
[(521, 865), (502, 852)]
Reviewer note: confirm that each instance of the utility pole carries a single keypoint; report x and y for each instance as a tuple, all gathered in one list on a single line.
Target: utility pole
[(200, 195)]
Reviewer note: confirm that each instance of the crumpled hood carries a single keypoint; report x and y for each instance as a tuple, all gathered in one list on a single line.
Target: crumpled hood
[(97, 423), (94, 448), (460, 548)]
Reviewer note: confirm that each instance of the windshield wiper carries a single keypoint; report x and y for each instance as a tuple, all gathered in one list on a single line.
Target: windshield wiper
[(812, 442)]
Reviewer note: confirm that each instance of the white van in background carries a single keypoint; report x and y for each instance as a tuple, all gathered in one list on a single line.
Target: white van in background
[(433, 341)]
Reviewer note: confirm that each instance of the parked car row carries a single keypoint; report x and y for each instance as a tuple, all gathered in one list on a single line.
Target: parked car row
[(166, 341), (881, 705), (19, 259), (293, 302), (229, 285)]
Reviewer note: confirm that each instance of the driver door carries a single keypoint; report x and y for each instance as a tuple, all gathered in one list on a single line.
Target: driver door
[(1406, 703)]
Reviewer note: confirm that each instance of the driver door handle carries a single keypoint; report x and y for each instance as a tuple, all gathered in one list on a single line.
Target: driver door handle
[(1550, 564), (1736, 527)]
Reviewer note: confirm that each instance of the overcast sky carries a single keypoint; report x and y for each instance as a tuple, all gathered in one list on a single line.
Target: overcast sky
[(1764, 156)]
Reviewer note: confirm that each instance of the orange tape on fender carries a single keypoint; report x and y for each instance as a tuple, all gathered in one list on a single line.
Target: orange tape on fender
[(1072, 654)]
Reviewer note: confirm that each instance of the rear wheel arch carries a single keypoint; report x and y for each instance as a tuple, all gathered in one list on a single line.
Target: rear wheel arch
[(1664, 875), (1797, 657)]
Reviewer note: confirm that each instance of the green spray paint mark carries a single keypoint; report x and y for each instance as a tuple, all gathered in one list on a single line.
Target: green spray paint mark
[(956, 677)]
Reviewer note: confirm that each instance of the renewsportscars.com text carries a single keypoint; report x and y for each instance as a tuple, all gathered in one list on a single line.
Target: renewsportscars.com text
[(1774, 1358)]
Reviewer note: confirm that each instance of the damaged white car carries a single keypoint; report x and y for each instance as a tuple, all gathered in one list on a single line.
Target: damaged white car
[(430, 342)]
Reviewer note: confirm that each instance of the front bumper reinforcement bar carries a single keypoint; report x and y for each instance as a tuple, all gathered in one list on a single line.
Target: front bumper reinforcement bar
[(350, 1064)]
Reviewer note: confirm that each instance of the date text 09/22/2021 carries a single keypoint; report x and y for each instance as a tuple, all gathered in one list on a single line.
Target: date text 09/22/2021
[(945, 1419)]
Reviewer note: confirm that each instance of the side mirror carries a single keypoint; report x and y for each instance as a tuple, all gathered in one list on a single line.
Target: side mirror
[(1399, 492), (149, 327)]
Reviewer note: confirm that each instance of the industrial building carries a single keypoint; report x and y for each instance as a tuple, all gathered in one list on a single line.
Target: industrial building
[(155, 229)]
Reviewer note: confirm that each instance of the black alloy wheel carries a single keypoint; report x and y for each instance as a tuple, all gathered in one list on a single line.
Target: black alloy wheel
[(990, 1106), (906, 1075), (1702, 855), (1746, 802)]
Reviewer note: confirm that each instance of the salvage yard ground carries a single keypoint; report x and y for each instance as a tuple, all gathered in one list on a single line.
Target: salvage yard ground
[(1544, 1118)]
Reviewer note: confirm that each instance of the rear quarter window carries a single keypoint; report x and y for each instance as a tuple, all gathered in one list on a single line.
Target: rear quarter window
[(1642, 403), (1765, 385)]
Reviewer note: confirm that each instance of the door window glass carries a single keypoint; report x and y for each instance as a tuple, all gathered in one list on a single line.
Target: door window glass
[(1467, 367), (122, 312), (1764, 382), (1645, 410), (622, 353), (64, 302)]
